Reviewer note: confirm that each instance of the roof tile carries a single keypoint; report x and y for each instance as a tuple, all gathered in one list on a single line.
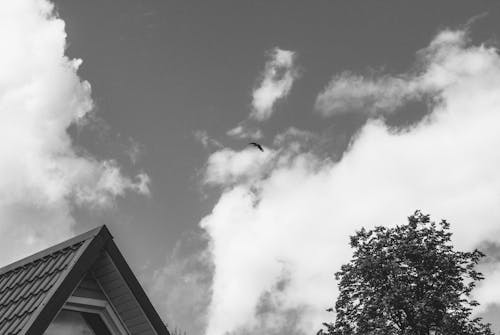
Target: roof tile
[(23, 288)]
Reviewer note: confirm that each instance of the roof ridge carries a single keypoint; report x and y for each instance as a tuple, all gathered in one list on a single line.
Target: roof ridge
[(48, 251)]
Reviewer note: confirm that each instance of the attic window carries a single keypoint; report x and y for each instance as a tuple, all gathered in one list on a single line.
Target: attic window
[(71, 322), (84, 316)]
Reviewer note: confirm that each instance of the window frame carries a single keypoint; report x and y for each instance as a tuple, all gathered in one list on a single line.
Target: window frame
[(100, 307)]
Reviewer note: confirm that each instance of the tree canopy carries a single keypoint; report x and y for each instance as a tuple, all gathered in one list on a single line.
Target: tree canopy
[(407, 280)]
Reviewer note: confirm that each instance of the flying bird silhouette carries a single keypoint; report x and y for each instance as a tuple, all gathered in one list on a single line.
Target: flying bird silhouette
[(257, 145)]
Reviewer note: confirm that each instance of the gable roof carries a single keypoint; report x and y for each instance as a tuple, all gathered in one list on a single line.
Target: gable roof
[(34, 289)]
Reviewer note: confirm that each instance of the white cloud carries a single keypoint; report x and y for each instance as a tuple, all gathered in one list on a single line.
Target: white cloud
[(277, 80), (244, 132), (280, 229), (274, 84), (295, 140), (349, 92), (227, 166), (133, 150), (203, 137), (383, 94), (41, 95), (182, 288), (487, 293)]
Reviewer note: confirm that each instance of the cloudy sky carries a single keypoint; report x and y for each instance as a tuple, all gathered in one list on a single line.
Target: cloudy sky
[(137, 114)]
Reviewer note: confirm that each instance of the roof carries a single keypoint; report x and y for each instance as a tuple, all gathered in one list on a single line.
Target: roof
[(34, 289)]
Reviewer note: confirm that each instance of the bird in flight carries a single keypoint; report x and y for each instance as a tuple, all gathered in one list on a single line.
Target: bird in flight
[(257, 145)]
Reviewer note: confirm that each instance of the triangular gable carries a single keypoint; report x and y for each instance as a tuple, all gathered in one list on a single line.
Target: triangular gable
[(33, 290), (89, 288)]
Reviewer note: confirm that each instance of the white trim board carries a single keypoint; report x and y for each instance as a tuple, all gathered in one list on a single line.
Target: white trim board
[(98, 306)]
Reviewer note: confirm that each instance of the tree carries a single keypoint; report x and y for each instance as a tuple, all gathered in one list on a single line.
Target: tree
[(407, 280)]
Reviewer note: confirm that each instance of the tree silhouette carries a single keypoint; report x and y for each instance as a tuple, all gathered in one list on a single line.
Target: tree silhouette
[(407, 280)]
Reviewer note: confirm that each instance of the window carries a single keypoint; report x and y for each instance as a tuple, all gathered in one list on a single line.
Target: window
[(84, 316), (68, 323)]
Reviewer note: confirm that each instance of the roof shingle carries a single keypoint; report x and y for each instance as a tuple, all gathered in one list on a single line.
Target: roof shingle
[(22, 289)]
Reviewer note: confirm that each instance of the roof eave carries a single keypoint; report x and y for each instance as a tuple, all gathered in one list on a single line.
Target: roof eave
[(95, 242), (136, 289)]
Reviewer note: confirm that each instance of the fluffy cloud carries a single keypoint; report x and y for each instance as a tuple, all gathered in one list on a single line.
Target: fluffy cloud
[(383, 94), (276, 82), (42, 174), (227, 166), (280, 228), (350, 92)]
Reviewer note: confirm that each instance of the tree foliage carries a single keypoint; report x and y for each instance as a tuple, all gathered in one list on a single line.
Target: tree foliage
[(407, 280)]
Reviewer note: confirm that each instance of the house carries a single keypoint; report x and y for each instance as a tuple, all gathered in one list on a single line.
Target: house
[(81, 286)]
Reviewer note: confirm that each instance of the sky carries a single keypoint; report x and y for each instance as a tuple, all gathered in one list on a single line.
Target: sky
[(138, 114)]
